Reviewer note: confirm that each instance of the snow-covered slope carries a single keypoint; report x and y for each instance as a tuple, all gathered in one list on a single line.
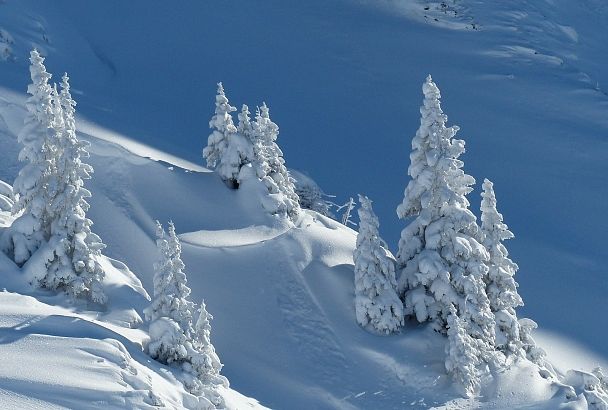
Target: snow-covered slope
[(282, 298), (523, 80)]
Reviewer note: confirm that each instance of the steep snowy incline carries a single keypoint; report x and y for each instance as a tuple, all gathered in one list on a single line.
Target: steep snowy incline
[(524, 80), (281, 296)]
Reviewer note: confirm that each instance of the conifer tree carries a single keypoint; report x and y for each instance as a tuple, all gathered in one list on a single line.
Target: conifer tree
[(443, 265), (270, 165), (376, 302), (32, 228), (210, 362), (73, 266), (463, 361), (174, 337), (227, 150), (171, 292), (438, 253), (245, 128), (170, 312), (501, 285)]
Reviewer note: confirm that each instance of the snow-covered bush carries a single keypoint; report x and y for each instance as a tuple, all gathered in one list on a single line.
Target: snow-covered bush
[(168, 343), (376, 302), (311, 196), (501, 285), (32, 228), (227, 150), (443, 265), (270, 166), (594, 387)]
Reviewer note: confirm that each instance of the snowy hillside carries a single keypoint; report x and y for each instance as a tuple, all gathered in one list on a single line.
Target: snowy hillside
[(524, 82)]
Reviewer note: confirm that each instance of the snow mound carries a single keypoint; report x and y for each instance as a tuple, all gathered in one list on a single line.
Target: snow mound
[(236, 237)]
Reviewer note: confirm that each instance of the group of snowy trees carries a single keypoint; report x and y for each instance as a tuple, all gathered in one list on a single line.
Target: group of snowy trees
[(249, 151), (180, 333), (453, 273), (52, 236)]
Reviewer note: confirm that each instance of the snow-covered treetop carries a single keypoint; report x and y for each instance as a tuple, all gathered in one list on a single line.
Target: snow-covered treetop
[(222, 120), (491, 220), (203, 325), (269, 128), (245, 126), (175, 249), (368, 221), (39, 89), (434, 147), (67, 102)]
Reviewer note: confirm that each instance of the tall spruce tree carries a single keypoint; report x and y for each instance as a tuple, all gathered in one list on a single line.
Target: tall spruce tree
[(74, 266), (443, 265), (32, 228), (376, 302)]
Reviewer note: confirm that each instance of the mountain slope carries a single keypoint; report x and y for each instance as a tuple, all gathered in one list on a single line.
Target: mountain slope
[(523, 80)]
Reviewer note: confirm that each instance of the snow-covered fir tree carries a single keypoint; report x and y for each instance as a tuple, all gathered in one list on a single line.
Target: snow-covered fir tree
[(203, 363), (174, 337), (442, 263), (73, 266), (32, 228), (270, 166), (501, 285), (245, 127), (171, 291), (462, 361), (376, 302), (227, 150), (209, 362)]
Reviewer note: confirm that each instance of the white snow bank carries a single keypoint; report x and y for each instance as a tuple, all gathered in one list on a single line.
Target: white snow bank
[(230, 238)]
